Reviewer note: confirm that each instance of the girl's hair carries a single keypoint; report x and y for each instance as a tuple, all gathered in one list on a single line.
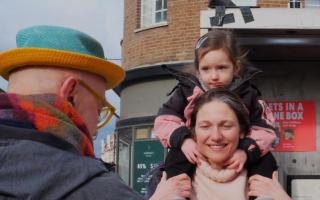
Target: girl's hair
[(219, 39), (227, 97)]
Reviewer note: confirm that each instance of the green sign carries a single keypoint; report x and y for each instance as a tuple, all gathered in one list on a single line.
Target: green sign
[(147, 155)]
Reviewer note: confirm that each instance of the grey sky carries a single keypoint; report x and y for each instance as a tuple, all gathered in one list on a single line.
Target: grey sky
[(102, 19)]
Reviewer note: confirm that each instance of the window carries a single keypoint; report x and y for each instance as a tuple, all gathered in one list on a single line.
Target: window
[(153, 12), (124, 161), (312, 3), (124, 153), (161, 11), (142, 133), (294, 4)]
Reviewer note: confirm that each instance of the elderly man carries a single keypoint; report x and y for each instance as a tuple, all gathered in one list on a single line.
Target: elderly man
[(57, 81)]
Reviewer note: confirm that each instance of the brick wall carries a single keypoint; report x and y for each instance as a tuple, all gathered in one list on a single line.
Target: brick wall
[(275, 3), (173, 42)]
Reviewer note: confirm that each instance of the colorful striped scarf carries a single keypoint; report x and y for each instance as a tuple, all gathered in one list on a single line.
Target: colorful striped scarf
[(48, 113)]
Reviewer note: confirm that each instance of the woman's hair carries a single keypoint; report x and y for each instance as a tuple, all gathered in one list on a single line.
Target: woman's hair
[(227, 97), (219, 39)]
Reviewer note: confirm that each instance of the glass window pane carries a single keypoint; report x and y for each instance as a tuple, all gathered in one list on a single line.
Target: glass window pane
[(142, 133), (158, 5), (164, 16), (147, 11), (152, 12), (124, 153), (158, 17), (124, 161), (153, 134), (125, 134)]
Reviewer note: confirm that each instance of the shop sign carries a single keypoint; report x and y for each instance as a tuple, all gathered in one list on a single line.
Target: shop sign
[(296, 122)]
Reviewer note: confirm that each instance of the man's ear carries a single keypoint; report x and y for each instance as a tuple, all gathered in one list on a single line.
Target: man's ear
[(67, 88)]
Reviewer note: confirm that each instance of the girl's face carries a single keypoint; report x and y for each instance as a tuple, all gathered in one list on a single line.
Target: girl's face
[(216, 69), (217, 132)]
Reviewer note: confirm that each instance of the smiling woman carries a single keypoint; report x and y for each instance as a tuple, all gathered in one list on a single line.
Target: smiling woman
[(217, 131), (218, 122)]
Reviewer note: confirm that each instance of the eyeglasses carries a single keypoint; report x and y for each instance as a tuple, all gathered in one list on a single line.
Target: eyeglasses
[(106, 112)]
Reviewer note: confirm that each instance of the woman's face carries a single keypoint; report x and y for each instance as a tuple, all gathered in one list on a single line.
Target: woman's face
[(217, 132)]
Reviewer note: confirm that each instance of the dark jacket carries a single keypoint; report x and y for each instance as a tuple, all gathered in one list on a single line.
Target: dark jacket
[(171, 124), (36, 165)]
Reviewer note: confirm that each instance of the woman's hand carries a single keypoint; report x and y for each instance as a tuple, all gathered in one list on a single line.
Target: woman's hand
[(190, 150), (262, 186), (237, 160), (176, 187)]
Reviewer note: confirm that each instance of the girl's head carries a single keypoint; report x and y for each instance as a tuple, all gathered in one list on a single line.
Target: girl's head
[(219, 120), (217, 58)]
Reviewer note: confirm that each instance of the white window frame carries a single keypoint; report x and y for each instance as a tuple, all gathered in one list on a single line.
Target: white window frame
[(148, 17), (162, 10)]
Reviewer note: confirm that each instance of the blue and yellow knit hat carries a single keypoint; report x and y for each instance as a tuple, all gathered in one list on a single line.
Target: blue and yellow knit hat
[(59, 47)]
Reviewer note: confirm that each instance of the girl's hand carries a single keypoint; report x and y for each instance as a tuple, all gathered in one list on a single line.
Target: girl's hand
[(190, 150), (237, 160), (263, 186)]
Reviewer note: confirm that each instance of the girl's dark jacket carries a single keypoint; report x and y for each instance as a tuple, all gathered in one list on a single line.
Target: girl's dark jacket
[(171, 124)]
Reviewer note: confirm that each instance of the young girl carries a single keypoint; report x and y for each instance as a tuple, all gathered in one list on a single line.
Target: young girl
[(219, 64)]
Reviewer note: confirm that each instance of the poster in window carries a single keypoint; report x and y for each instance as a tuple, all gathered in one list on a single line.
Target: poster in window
[(296, 122)]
